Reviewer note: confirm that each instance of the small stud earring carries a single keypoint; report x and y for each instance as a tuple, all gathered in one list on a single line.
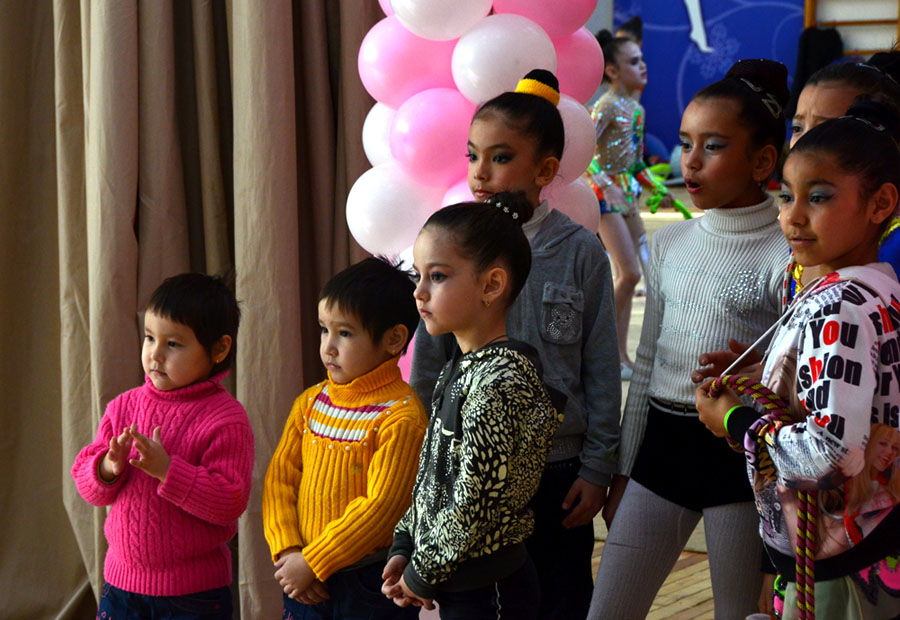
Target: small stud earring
[(487, 303)]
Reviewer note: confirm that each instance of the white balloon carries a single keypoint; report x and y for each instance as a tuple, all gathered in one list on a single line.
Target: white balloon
[(577, 200), (440, 20), (496, 53), (376, 134), (386, 209), (405, 258), (581, 141)]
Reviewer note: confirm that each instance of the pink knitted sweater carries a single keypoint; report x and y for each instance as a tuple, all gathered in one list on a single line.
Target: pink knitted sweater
[(168, 539)]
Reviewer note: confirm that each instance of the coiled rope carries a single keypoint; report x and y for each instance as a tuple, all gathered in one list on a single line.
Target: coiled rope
[(805, 551)]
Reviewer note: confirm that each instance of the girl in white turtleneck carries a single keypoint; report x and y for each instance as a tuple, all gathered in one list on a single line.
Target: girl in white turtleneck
[(710, 279)]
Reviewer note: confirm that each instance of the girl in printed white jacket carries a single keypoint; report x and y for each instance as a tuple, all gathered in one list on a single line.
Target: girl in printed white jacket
[(836, 359)]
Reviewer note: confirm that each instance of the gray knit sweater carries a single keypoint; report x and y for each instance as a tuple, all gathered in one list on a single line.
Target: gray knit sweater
[(710, 279)]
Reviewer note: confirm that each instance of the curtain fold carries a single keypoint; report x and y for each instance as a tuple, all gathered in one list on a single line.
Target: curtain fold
[(142, 139), (266, 261)]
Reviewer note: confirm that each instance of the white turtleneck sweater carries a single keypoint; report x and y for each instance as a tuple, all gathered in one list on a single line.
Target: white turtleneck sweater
[(710, 279)]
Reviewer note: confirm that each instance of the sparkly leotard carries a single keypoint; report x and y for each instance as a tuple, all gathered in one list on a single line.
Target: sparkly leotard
[(619, 124)]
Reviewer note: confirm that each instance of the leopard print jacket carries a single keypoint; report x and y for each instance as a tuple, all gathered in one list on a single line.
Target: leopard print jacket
[(488, 438)]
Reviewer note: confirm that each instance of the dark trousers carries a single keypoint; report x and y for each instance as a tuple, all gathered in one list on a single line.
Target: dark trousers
[(355, 595), (561, 555), (117, 604), (514, 597)]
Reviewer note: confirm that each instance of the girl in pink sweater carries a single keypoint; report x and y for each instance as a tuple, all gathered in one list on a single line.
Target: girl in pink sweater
[(173, 458)]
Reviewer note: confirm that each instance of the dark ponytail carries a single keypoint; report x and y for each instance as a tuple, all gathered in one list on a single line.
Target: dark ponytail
[(491, 231), (760, 87)]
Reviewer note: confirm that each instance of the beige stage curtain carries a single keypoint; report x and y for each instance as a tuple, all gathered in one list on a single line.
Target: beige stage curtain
[(139, 139)]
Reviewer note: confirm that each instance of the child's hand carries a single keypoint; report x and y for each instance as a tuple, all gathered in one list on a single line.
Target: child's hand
[(587, 499), (395, 588), (316, 593), (614, 195), (391, 574), (715, 362), (114, 461), (427, 603), (713, 410), (154, 460), (294, 573)]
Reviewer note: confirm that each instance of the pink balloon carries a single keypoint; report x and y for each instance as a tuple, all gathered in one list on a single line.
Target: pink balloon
[(406, 359), (557, 20), (429, 135), (579, 65), (395, 64), (581, 138), (577, 200), (458, 192), (386, 7)]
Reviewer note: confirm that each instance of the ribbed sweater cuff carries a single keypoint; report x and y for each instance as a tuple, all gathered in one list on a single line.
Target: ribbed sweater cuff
[(179, 481)]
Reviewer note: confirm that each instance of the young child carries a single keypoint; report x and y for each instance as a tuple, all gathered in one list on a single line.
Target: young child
[(565, 311), (462, 542), (343, 472), (173, 458), (709, 279), (827, 94), (618, 171), (833, 359)]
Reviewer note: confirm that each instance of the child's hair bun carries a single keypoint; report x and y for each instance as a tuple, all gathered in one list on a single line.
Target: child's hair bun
[(633, 28), (604, 36), (513, 204), (541, 83), (768, 75), (879, 115), (888, 63)]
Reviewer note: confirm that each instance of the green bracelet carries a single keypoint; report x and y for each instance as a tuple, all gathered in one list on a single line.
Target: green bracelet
[(728, 415)]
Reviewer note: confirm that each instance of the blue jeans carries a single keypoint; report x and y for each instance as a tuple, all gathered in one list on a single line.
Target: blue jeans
[(355, 595), (118, 604)]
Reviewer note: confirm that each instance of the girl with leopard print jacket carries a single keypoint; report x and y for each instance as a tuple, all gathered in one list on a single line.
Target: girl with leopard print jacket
[(461, 543)]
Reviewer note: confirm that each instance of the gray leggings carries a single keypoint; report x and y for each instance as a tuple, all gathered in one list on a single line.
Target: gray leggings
[(646, 538)]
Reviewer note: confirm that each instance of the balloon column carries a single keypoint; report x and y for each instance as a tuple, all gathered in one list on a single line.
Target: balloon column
[(429, 64)]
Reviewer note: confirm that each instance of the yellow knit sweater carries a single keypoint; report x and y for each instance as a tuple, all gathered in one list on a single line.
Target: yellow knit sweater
[(343, 472)]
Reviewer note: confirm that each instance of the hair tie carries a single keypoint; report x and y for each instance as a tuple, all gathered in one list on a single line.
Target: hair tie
[(874, 125), (499, 205), (767, 98), (531, 86)]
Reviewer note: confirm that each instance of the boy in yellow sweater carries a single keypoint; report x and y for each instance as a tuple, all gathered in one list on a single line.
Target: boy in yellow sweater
[(343, 472)]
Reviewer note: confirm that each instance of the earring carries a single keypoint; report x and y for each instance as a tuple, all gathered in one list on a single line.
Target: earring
[(486, 302)]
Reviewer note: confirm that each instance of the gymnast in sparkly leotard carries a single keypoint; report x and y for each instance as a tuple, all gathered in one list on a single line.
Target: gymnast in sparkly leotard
[(617, 173)]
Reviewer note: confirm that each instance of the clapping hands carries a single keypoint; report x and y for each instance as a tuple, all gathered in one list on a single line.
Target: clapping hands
[(153, 458)]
